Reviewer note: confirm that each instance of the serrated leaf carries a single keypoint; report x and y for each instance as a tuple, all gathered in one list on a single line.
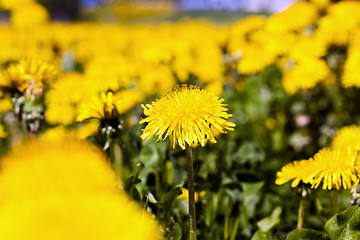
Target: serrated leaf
[(307, 234), (344, 225)]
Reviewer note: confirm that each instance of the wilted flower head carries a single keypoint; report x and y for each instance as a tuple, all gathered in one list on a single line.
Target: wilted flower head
[(186, 116)]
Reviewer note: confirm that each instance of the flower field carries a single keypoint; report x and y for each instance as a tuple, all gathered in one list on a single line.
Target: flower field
[(188, 129)]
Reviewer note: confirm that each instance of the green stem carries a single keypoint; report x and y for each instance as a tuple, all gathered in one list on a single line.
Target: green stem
[(117, 159), (335, 202), (191, 187), (300, 222)]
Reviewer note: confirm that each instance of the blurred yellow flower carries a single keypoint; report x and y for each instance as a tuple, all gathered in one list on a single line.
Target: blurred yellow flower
[(99, 107), (29, 15), (298, 16), (186, 115), (10, 4), (298, 171), (340, 23), (351, 68), (347, 137), (29, 76), (65, 189), (90, 217), (64, 97), (256, 56), (336, 168), (60, 166), (127, 99), (305, 74)]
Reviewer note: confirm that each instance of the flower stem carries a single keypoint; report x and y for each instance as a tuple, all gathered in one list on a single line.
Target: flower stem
[(191, 187), (116, 155), (300, 221), (335, 202)]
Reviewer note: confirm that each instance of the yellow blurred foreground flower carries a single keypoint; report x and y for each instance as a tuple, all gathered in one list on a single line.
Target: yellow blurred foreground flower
[(58, 166), (186, 116), (65, 189)]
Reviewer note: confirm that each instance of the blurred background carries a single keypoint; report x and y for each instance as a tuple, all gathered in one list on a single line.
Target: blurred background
[(157, 10)]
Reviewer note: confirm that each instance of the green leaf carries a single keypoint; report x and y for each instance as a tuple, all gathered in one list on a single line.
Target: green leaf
[(249, 152), (266, 224), (307, 234), (132, 180), (344, 225), (167, 200), (176, 233), (261, 236)]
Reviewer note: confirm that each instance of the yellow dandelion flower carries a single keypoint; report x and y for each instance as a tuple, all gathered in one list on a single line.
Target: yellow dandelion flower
[(336, 168), (256, 56), (305, 74), (127, 99), (82, 131), (115, 72), (186, 116), (65, 96), (321, 3), (90, 217), (297, 171), (340, 23), (65, 189), (351, 68), (61, 166), (28, 75), (348, 136), (185, 195), (157, 80), (97, 107), (299, 15), (10, 4), (247, 25), (29, 15)]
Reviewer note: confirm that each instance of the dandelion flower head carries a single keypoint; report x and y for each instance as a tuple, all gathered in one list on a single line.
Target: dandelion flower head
[(65, 189), (97, 107), (186, 115), (61, 166), (297, 171), (28, 75), (346, 137), (336, 168), (299, 15)]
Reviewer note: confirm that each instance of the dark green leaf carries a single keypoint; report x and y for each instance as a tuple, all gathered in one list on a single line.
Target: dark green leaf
[(176, 233), (249, 152), (344, 225), (307, 234)]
